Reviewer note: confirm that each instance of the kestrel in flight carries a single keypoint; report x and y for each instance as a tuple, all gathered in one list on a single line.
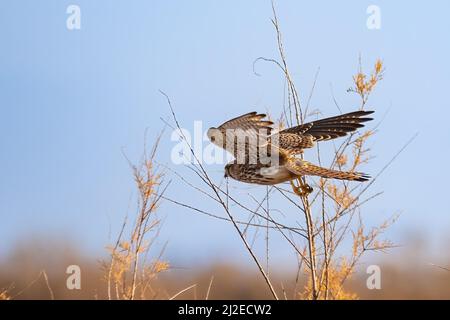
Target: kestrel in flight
[(267, 158)]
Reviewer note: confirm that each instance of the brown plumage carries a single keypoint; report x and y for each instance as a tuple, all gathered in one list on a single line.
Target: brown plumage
[(267, 159)]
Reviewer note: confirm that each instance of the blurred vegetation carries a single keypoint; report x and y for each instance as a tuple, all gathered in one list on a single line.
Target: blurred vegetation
[(405, 276)]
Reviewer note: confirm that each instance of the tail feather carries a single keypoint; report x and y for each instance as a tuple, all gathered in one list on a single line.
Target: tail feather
[(304, 168)]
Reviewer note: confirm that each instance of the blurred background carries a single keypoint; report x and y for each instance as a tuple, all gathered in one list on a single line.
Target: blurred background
[(76, 103)]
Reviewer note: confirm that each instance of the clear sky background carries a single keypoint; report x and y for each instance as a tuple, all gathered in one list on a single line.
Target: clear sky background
[(71, 101)]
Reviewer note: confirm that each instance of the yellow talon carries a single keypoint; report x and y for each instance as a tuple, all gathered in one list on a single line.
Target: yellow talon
[(302, 190), (306, 188)]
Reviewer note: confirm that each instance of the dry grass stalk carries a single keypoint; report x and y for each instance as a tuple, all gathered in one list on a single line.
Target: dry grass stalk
[(128, 273), (4, 294), (326, 273)]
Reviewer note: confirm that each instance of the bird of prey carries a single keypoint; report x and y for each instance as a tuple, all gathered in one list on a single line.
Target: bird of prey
[(266, 158)]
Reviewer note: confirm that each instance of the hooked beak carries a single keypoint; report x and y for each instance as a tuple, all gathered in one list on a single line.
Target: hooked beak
[(226, 174)]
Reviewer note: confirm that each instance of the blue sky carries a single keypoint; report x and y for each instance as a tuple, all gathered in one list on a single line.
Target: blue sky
[(71, 101)]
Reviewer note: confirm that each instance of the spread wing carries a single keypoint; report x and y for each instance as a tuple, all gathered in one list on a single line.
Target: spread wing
[(249, 121), (300, 137), (246, 135)]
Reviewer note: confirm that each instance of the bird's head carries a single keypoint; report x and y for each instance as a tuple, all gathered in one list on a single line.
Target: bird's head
[(227, 170), (216, 136)]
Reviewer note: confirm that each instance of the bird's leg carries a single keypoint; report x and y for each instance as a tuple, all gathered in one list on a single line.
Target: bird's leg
[(302, 190), (306, 188)]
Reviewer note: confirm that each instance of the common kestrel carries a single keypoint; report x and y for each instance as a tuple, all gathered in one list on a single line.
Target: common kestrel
[(267, 158)]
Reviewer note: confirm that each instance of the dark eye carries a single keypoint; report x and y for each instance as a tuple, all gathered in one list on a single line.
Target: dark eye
[(213, 139)]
